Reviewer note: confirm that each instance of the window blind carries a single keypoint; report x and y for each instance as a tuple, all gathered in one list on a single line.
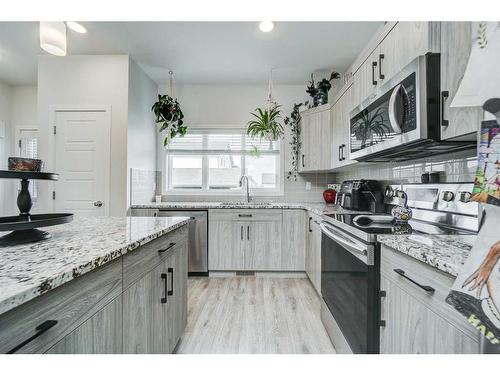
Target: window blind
[(213, 142)]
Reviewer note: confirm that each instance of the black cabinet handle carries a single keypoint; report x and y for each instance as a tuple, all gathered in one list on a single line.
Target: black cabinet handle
[(380, 58), (164, 276), (248, 232), (241, 232), (340, 157), (170, 245), (374, 65), (310, 229), (427, 288), (170, 270), (343, 148), (244, 215), (303, 163), (444, 97), (40, 330)]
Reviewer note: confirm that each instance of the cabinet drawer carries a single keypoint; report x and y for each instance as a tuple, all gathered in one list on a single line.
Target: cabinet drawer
[(258, 214), (69, 306), (139, 262), (426, 276)]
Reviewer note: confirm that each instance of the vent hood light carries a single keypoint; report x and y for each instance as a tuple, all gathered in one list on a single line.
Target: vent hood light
[(266, 26), (76, 27), (53, 37)]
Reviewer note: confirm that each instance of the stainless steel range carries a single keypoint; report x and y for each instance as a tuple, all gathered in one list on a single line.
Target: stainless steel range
[(350, 256)]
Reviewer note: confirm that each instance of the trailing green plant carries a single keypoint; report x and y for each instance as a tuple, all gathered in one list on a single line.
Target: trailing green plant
[(168, 113), (295, 144), (319, 91), (266, 123), (369, 125)]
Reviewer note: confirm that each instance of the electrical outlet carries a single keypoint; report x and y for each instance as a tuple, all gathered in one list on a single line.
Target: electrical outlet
[(308, 185)]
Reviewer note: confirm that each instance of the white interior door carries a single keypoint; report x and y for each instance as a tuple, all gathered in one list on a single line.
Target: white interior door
[(82, 159)]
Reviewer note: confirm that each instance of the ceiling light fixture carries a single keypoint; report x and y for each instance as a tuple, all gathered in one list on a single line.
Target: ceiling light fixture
[(53, 37), (266, 26), (76, 27)]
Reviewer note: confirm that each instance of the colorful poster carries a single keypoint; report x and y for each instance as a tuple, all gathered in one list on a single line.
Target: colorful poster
[(476, 291), (487, 182)]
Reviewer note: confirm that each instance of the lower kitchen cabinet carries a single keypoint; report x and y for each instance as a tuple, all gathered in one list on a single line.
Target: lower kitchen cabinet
[(225, 244), (313, 252), (155, 306), (293, 240), (416, 320), (100, 334)]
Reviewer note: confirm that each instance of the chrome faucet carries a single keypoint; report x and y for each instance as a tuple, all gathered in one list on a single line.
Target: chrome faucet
[(247, 186)]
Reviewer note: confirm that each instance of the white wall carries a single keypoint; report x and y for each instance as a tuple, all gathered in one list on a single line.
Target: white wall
[(87, 80), (230, 105), (142, 130)]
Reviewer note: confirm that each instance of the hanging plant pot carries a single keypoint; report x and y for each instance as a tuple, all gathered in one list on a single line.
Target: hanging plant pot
[(266, 123), (169, 114)]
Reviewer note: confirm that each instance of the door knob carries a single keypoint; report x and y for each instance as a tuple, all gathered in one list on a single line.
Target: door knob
[(98, 203)]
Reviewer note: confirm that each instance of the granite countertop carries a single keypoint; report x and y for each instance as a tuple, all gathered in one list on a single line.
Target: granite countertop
[(30, 270), (446, 253)]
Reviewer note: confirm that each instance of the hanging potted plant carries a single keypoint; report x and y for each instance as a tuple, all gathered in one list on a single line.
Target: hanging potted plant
[(319, 92), (266, 124), (168, 113), (294, 122)]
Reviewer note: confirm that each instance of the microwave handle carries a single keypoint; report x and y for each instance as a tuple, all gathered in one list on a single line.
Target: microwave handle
[(392, 109)]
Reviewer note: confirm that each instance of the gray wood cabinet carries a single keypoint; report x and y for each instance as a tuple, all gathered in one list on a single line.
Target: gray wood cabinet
[(313, 252), (293, 240), (225, 243), (155, 305), (341, 129), (316, 150), (455, 51), (417, 321)]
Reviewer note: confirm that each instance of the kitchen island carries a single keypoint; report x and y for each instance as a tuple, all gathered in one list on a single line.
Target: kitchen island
[(79, 287)]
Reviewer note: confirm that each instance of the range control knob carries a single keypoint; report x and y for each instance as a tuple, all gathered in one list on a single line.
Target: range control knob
[(389, 192), (448, 196), (465, 196)]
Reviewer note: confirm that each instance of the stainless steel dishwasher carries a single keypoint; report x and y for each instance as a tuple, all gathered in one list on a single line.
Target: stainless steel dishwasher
[(198, 235)]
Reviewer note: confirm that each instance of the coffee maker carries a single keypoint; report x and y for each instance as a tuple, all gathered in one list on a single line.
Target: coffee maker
[(361, 195)]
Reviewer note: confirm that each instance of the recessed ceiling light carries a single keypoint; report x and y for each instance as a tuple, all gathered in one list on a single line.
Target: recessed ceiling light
[(76, 27), (266, 26), (53, 37)]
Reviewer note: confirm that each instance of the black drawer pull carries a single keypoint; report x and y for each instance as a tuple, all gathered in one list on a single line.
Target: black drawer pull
[(170, 245), (310, 229), (171, 291), (165, 288), (380, 58), (41, 329), (244, 215), (444, 97), (427, 288), (303, 162)]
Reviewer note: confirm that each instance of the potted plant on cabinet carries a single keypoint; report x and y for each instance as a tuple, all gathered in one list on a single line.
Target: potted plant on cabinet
[(319, 92)]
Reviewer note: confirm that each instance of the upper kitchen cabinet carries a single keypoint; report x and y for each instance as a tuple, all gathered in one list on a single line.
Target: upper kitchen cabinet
[(316, 149), (455, 51), (403, 43), (341, 129)]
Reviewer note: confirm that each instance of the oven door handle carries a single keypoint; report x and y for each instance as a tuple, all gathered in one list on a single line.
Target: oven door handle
[(392, 109), (344, 240)]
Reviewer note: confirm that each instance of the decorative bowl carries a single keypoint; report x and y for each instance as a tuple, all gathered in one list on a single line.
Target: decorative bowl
[(25, 164)]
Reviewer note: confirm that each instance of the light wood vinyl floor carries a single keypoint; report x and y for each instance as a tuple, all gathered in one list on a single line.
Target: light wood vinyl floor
[(246, 314)]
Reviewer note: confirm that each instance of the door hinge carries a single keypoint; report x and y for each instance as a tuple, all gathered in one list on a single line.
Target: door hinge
[(55, 130), (53, 195)]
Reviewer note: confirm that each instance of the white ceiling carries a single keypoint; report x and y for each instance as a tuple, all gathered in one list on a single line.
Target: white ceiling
[(199, 52)]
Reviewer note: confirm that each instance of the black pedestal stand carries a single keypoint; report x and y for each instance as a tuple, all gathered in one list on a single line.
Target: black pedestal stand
[(24, 226)]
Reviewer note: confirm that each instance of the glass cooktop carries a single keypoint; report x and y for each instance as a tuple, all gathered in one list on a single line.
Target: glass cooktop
[(386, 224)]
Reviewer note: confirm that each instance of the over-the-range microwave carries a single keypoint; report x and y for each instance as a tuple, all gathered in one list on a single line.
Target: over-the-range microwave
[(401, 121)]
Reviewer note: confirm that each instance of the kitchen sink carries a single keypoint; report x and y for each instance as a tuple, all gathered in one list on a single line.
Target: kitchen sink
[(245, 203)]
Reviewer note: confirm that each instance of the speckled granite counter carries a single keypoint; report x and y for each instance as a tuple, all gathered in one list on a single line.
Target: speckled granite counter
[(29, 270), (446, 253)]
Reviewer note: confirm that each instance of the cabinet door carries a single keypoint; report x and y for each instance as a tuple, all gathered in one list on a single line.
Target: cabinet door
[(313, 262), (177, 296), (226, 245), (101, 334), (145, 326), (305, 129), (365, 79), (293, 241), (313, 158), (337, 134), (404, 43), (263, 250), (407, 325), (455, 51)]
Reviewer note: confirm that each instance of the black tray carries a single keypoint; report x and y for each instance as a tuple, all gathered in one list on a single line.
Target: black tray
[(36, 221), (22, 175)]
